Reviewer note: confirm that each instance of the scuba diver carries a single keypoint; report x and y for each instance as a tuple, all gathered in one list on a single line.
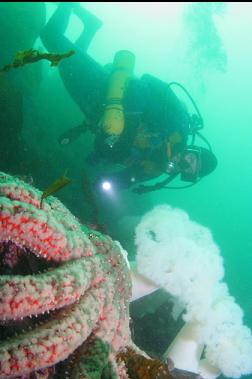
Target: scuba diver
[(141, 128)]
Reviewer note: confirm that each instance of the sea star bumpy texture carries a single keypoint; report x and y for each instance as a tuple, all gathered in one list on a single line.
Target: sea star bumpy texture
[(79, 301)]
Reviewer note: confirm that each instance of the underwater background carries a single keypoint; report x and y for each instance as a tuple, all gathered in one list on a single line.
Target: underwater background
[(204, 46)]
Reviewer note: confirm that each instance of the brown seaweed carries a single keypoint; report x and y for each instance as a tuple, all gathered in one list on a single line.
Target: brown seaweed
[(54, 187), (141, 367), (31, 56)]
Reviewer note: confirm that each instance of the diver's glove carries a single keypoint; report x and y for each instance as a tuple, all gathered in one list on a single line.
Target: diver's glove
[(72, 134)]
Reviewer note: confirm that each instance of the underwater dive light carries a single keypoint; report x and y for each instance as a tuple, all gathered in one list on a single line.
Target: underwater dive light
[(106, 185)]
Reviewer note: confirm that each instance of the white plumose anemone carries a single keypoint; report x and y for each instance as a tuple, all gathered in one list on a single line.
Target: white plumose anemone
[(180, 255)]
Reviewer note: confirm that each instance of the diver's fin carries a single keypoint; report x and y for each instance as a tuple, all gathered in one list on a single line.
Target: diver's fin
[(88, 18)]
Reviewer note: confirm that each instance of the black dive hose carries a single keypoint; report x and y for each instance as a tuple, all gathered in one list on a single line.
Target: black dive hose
[(161, 185), (192, 101)]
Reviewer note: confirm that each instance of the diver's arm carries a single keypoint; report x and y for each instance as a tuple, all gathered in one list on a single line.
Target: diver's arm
[(72, 134), (142, 188)]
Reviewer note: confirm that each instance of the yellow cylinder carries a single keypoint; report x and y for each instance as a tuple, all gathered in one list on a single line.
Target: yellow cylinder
[(123, 68)]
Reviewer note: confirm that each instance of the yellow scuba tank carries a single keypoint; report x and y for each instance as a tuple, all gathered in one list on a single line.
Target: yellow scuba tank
[(122, 70)]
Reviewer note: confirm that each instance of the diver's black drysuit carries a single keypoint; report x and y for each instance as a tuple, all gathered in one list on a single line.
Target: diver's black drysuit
[(148, 100)]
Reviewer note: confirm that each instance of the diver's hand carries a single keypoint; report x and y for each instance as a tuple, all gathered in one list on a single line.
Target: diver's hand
[(72, 134)]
